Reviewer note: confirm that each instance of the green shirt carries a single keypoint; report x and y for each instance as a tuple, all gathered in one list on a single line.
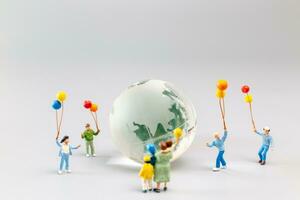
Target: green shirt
[(88, 135)]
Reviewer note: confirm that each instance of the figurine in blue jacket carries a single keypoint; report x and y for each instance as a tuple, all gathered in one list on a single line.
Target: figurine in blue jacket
[(64, 153), (267, 141), (219, 143)]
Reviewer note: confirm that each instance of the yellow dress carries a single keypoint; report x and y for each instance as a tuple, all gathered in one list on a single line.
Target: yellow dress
[(147, 171)]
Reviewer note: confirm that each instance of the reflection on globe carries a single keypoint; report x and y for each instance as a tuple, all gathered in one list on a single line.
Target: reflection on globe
[(148, 112)]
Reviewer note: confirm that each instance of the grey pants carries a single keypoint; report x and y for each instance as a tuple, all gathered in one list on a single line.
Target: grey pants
[(90, 148)]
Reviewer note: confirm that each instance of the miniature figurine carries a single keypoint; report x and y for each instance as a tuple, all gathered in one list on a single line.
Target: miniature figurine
[(219, 143), (162, 165), (146, 174), (64, 153), (88, 136), (266, 143)]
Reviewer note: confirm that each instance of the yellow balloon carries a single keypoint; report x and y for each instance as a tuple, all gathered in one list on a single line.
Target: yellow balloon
[(178, 132), (220, 93), (248, 98), (61, 96)]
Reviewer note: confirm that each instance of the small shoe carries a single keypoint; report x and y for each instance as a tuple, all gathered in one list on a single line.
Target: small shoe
[(224, 167), (144, 191), (59, 172), (94, 155), (263, 162), (150, 190), (215, 169), (260, 161), (87, 155), (165, 188), (69, 171), (156, 190)]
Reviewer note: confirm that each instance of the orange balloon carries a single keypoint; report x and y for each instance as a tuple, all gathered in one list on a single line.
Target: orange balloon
[(94, 108), (222, 85)]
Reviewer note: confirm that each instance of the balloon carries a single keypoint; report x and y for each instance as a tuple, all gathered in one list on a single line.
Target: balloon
[(61, 96), (220, 93), (151, 148), (248, 98), (245, 89), (94, 107), (222, 85), (177, 132), (87, 104), (56, 105)]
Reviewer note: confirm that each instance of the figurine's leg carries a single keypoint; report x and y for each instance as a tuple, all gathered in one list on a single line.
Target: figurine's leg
[(165, 186), (222, 159), (150, 184), (92, 148), (61, 163), (144, 185), (87, 148), (264, 153), (260, 153), (218, 161), (67, 162)]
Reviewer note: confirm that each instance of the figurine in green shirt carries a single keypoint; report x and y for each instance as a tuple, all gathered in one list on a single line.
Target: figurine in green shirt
[(88, 136)]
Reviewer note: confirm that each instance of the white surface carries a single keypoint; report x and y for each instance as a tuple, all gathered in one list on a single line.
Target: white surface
[(93, 49)]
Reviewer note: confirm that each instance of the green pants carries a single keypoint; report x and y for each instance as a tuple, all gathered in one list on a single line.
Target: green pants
[(90, 147)]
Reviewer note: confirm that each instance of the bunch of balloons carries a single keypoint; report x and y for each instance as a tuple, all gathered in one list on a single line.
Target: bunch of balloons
[(89, 105), (222, 85), (248, 99), (58, 104)]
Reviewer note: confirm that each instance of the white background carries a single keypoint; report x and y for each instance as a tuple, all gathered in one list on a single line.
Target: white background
[(95, 49)]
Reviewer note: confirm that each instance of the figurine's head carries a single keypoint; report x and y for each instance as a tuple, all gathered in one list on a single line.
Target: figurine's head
[(163, 146), (65, 140), (266, 130), (147, 159), (87, 126), (151, 148), (216, 135)]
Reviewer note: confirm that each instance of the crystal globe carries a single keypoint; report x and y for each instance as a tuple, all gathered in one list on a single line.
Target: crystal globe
[(147, 113)]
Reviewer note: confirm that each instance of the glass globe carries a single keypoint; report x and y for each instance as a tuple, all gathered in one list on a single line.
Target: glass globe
[(147, 113)]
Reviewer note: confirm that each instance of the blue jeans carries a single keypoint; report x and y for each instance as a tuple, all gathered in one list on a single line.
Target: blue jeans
[(262, 153), (220, 159), (64, 161)]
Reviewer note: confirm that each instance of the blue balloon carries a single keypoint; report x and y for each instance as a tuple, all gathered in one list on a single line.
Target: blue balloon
[(151, 148), (56, 105)]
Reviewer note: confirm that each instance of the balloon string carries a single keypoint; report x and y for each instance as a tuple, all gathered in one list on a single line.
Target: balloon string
[(222, 113), (251, 113), (94, 118), (61, 117), (56, 117)]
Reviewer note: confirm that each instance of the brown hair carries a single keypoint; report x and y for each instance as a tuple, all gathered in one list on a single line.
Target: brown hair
[(169, 143), (163, 146)]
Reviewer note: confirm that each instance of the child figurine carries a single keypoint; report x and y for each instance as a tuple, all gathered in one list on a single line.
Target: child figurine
[(146, 174), (267, 142), (162, 166), (64, 153), (88, 136), (219, 143)]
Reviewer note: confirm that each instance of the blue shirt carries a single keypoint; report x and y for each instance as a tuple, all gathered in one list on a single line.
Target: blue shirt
[(266, 139), (219, 143)]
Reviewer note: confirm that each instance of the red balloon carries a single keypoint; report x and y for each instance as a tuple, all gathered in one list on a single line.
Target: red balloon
[(87, 104), (245, 89)]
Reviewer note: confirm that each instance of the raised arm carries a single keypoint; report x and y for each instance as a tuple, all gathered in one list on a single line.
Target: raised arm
[(57, 143), (224, 136), (97, 132), (258, 133)]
